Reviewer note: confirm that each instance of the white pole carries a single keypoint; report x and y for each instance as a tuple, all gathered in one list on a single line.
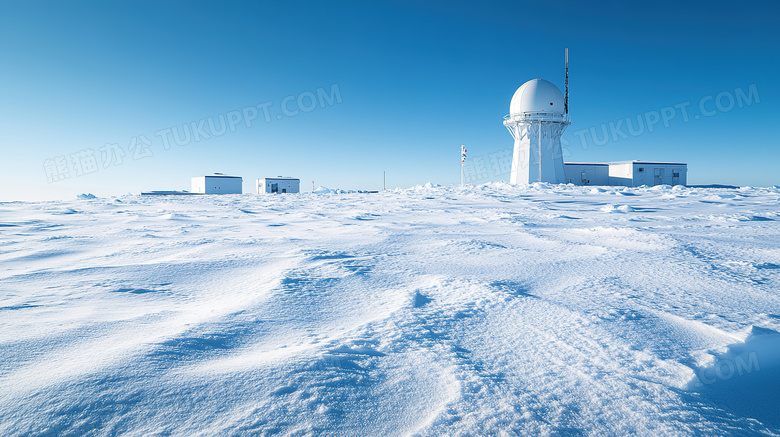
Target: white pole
[(462, 160)]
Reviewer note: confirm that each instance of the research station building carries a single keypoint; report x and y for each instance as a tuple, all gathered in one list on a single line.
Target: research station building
[(538, 116), (278, 184), (626, 173), (217, 184)]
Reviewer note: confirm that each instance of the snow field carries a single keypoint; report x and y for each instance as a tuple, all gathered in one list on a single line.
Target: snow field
[(543, 310)]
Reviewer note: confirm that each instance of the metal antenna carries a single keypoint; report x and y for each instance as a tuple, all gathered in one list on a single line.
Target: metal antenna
[(566, 99)]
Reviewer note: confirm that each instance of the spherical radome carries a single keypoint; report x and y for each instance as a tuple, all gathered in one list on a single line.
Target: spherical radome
[(539, 96)]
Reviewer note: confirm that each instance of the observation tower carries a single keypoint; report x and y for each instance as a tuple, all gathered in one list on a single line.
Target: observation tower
[(538, 115)]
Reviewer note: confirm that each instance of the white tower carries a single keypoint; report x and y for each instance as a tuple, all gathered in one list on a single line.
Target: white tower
[(537, 118)]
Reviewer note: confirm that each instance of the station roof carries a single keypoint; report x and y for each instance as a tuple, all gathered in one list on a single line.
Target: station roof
[(648, 162), (218, 176), (626, 162)]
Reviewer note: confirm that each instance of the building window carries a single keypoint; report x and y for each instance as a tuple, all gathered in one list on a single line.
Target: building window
[(640, 169)]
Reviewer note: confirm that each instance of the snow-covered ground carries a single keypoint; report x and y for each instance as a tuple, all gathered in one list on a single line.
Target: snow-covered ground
[(489, 310)]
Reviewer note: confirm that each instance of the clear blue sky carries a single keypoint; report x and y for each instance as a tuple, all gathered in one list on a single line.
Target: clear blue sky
[(415, 80)]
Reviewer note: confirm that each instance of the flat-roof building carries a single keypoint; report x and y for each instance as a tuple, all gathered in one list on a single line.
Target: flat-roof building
[(278, 184), (626, 173), (217, 184)]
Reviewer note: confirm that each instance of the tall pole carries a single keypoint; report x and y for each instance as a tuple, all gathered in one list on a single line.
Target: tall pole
[(462, 160), (384, 180), (566, 99)]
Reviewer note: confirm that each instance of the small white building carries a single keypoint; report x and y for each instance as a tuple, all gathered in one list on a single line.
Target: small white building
[(217, 184), (626, 173), (636, 173), (586, 173), (278, 184)]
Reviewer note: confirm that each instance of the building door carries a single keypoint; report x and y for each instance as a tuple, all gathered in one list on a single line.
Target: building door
[(274, 188), (658, 176), (675, 176)]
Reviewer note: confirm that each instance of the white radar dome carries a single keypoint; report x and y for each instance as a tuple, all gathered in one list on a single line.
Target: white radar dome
[(537, 95)]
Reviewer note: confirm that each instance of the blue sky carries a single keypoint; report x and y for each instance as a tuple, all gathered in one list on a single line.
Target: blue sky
[(403, 84)]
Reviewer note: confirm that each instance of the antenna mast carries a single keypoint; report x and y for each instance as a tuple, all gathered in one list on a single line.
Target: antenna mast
[(566, 99)]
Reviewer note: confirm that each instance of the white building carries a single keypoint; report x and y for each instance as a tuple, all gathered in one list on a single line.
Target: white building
[(586, 173), (626, 173), (536, 121), (217, 184), (538, 115), (636, 173), (278, 185)]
